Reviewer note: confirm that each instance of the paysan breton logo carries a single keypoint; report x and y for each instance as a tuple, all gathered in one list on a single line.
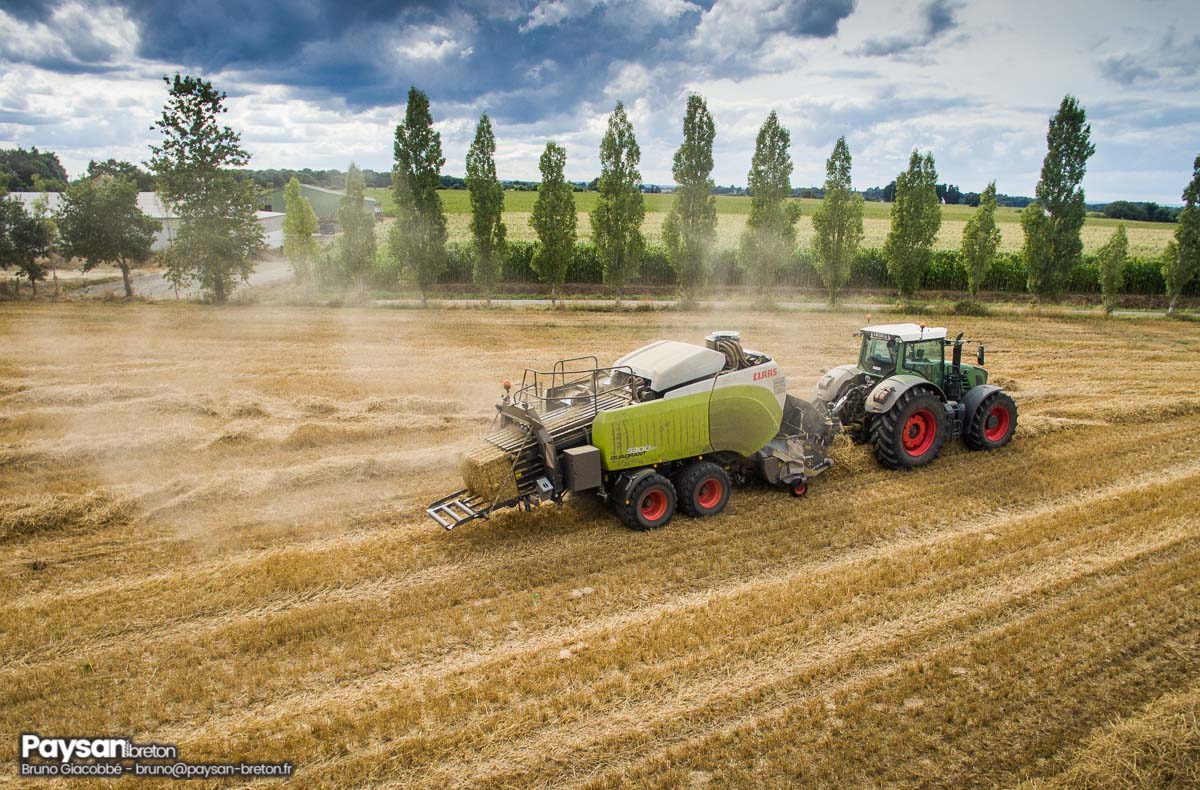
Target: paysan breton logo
[(66, 750)]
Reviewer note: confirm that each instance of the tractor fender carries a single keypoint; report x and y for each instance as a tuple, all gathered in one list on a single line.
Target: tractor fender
[(832, 382), (894, 387), (974, 397)]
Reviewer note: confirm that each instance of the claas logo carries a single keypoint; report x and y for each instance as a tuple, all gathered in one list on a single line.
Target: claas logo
[(765, 374)]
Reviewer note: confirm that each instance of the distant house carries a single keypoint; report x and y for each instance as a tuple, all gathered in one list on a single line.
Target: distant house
[(324, 201), (151, 206)]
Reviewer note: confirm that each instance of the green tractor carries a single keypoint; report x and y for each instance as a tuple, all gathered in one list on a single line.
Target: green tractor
[(907, 399)]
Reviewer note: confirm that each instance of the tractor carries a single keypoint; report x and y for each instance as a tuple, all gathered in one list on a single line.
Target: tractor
[(907, 399), (671, 426)]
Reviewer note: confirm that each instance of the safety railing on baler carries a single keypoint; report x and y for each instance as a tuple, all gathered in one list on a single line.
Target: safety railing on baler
[(543, 417)]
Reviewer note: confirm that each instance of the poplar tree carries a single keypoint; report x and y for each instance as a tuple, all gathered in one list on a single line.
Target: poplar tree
[(1111, 259), (356, 247), (916, 218), (770, 234), (1053, 244), (553, 219), (299, 225), (691, 224), (837, 222), (195, 166), (1180, 267), (487, 206), (418, 239), (981, 239), (617, 217)]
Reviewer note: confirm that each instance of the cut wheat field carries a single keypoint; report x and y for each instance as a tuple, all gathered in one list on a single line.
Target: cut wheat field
[(212, 534)]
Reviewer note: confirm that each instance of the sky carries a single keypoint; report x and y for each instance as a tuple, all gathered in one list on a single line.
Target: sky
[(313, 83)]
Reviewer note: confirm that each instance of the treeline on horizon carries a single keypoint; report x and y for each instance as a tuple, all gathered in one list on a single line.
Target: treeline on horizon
[(41, 171)]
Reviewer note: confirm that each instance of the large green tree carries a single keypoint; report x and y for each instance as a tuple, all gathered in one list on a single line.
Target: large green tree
[(299, 225), (356, 247), (487, 206), (1053, 244), (1111, 260), (553, 219), (617, 217), (418, 238), (219, 233), (916, 218), (31, 171), (770, 235), (981, 239), (24, 242), (1187, 240), (100, 223), (838, 222), (691, 225)]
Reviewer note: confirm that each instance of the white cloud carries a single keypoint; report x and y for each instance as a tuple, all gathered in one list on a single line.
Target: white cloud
[(74, 34)]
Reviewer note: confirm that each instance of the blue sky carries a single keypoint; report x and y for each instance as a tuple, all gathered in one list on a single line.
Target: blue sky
[(319, 83)]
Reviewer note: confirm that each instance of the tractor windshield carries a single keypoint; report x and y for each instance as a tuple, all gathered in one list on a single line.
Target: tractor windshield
[(878, 353)]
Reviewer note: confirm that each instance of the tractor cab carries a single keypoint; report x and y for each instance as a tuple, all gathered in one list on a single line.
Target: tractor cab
[(918, 350)]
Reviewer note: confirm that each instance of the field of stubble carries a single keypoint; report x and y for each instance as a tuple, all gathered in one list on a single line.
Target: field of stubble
[(211, 534)]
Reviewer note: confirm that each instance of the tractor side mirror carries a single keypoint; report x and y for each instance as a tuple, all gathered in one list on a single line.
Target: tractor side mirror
[(979, 355)]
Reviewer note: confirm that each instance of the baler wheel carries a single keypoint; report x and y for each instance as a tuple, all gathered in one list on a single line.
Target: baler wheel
[(649, 504), (702, 489)]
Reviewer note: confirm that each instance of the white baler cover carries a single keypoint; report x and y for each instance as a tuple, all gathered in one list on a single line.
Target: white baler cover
[(669, 363)]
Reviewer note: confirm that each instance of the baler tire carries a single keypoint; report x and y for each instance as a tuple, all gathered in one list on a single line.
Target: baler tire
[(993, 424), (702, 489), (649, 504), (916, 412)]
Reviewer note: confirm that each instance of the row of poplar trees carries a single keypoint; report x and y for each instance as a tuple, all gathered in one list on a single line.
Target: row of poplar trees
[(1052, 224)]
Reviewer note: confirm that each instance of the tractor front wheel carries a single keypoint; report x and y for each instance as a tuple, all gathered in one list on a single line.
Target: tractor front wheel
[(911, 433), (993, 423), (649, 504), (702, 488)]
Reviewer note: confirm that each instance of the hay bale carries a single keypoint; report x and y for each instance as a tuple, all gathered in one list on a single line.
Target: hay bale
[(488, 472)]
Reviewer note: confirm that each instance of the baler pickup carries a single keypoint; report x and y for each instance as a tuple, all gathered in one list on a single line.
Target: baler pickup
[(459, 508)]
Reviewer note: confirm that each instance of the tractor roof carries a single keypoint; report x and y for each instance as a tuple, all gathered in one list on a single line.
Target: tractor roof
[(907, 332), (669, 363)]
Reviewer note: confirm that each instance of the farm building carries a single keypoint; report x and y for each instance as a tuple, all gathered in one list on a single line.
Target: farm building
[(324, 201), (151, 206)]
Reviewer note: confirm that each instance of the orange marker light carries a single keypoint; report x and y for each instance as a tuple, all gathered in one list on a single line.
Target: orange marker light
[(506, 384)]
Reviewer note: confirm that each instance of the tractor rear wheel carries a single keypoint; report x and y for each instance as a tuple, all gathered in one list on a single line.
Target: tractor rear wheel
[(911, 433), (993, 423), (702, 488), (649, 504)]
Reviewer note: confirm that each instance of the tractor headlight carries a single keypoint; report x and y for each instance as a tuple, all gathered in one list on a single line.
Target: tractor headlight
[(882, 394)]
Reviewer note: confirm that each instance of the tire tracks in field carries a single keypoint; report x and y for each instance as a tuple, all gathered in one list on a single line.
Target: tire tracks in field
[(377, 684), (920, 623)]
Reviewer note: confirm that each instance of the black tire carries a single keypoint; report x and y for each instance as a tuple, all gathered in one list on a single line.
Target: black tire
[(993, 423), (702, 489), (649, 504), (912, 432)]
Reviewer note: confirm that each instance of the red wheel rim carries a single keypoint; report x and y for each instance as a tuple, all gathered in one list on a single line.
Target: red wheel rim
[(919, 432), (996, 424), (799, 488), (654, 505), (709, 495)]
